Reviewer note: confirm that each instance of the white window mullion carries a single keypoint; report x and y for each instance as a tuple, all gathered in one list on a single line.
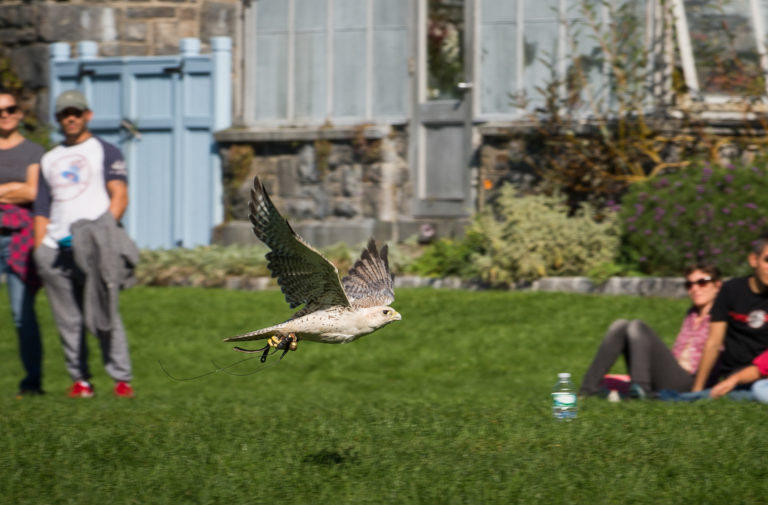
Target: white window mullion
[(561, 64), (291, 85), (421, 94), (421, 50), (329, 61), (369, 59), (757, 20), (610, 103), (249, 67), (520, 50), (686, 49), (475, 70)]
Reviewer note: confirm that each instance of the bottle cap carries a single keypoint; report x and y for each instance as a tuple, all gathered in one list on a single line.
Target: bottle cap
[(564, 375)]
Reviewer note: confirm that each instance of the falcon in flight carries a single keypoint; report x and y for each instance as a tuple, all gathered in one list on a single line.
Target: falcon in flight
[(336, 311)]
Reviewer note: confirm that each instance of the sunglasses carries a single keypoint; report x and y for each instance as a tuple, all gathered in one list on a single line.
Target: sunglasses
[(699, 282), (69, 112), (11, 109)]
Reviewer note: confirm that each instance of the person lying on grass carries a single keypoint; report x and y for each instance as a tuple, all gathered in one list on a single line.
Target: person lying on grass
[(651, 365), (753, 374)]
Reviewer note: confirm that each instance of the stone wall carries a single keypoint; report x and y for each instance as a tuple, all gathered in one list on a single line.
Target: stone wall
[(334, 184), (501, 160), (121, 28)]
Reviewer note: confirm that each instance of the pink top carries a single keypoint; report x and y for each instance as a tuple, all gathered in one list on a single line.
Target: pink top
[(761, 362), (689, 344)]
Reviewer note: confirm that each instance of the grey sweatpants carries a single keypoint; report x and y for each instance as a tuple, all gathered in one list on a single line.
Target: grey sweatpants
[(64, 282), (650, 362)]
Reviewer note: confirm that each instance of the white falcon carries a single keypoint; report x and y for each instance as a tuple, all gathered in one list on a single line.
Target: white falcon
[(336, 311)]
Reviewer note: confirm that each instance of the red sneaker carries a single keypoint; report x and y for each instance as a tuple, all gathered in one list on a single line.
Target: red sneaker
[(123, 389), (81, 389)]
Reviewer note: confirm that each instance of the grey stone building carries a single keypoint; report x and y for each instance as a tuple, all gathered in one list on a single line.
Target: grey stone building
[(121, 28), (377, 117)]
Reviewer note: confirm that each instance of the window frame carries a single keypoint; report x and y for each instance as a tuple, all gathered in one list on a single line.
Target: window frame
[(250, 116), (688, 59), (658, 79)]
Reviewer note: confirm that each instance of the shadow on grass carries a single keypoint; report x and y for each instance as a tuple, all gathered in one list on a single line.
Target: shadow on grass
[(330, 457)]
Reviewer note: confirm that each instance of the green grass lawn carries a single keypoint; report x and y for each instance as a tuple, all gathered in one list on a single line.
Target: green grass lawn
[(449, 405)]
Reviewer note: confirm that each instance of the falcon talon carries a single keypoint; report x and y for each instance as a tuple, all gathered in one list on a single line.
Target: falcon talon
[(288, 342), (291, 342), (285, 343)]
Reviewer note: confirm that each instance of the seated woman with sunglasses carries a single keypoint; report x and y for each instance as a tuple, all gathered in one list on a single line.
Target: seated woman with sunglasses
[(651, 365)]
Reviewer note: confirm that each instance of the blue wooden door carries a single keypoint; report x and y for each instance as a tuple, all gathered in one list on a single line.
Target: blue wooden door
[(161, 112)]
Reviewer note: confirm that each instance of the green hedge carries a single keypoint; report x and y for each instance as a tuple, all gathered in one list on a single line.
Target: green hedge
[(705, 212)]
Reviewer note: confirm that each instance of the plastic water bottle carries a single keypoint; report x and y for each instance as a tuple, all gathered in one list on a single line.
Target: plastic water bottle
[(564, 398)]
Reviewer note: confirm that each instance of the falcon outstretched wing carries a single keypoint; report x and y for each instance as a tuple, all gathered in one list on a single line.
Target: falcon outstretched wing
[(305, 276), (369, 282)]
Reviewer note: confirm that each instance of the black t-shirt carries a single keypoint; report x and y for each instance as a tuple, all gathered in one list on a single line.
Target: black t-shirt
[(747, 316)]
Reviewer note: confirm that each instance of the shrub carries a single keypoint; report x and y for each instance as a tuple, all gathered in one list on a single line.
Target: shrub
[(704, 213), (212, 266), (208, 266), (515, 239), (523, 238), (447, 257)]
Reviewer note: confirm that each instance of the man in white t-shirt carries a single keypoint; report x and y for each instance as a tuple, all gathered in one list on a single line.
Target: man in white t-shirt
[(83, 178)]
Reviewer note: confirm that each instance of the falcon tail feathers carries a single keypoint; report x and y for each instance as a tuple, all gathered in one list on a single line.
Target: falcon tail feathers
[(254, 335), (369, 282)]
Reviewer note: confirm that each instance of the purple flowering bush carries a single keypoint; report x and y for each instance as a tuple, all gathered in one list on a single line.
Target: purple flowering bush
[(709, 213)]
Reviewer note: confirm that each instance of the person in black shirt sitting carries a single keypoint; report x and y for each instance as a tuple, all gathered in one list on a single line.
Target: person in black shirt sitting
[(738, 321)]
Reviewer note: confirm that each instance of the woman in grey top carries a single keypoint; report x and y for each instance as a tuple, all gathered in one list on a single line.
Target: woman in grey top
[(19, 169)]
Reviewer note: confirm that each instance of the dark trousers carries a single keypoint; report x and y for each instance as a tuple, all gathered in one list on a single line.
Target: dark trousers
[(649, 361)]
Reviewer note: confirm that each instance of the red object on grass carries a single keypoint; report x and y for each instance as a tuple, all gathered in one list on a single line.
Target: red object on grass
[(617, 382)]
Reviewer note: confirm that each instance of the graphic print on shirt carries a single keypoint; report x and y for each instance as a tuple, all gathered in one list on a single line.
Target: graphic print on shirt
[(756, 319), (70, 176)]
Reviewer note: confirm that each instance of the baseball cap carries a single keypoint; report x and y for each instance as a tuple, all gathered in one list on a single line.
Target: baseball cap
[(71, 99)]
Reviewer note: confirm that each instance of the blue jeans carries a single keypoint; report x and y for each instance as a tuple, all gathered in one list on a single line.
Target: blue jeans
[(22, 302), (760, 390), (736, 394)]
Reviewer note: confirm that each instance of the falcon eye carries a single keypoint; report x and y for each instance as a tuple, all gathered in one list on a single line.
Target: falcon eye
[(386, 312)]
